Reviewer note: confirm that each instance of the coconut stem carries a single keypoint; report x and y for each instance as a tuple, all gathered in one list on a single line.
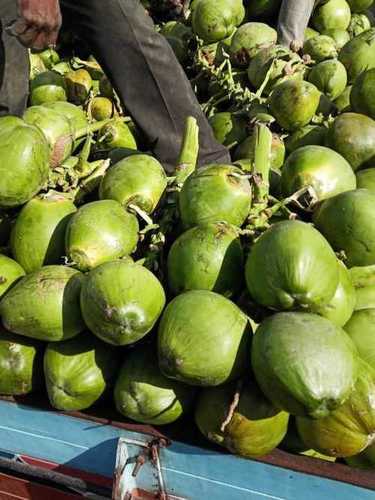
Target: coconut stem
[(91, 128), (187, 160), (85, 153), (262, 165), (266, 80), (91, 182), (141, 213), (233, 406)]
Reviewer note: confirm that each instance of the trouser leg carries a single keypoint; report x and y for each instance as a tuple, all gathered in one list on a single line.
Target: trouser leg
[(293, 20), (14, 65), (145, 73)]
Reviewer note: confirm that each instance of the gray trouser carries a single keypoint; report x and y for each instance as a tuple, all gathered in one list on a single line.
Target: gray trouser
[(140, 63), (293, 20)]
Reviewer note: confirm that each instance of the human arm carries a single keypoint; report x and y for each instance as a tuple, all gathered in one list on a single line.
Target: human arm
[(38, 23)]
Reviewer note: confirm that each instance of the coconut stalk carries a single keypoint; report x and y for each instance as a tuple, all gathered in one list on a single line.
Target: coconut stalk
[(91, 128), (92, 181), (260, 175), (187, 160), (156, 233)]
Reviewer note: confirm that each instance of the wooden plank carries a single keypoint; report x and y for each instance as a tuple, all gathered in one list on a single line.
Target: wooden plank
[(12, 488), (190, 472)]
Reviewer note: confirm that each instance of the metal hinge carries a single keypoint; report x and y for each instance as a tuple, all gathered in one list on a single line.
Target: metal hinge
[(138, 473)]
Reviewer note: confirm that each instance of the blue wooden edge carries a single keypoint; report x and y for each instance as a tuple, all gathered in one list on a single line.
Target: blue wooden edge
[(189, 472)]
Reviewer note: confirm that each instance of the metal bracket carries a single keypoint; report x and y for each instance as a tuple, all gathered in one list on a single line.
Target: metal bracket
[(138, 473)]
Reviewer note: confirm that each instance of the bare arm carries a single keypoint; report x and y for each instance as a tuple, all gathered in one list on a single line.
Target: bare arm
[(38, 23)]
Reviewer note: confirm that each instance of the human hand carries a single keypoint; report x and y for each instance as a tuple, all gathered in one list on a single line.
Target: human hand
[(38, 23)]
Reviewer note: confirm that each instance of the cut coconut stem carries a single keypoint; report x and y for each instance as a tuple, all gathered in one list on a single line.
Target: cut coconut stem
[(187, 160)]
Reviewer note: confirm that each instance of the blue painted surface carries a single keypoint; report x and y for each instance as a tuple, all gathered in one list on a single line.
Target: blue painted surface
[(189, 472)]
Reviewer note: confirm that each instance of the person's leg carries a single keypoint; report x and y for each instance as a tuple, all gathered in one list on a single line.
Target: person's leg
[(145, 73), (14, 65), (293, 20)]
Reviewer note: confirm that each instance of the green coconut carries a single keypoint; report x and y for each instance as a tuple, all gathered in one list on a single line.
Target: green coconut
[(329, 77), (121, 301), (215, 193), (24, 161), (36, 65), (304, 363), (340, 37), (340, 308), (10, 272), (138, 180), (346, 220), (101, 108), (332, 14), (294, 103), (320, 48), (45, 304), (98, 232), (310, 33), (214, 20), (37, 237), (145, 395), (361, 329), (358, 55), (179, 37), (78, 84), (117, 134), (47, 87), (206, 257), (20, 364), (203, 339), (246, 151), (253, 429), (358, 24), (363, 279), (362, 96), (353, 136), (321, 169), (176, 29), (360, 5), (366, 179), (283, 266), (78, 371), (75, 114), (294, 444), (229, 129), (49, 57), (248, 40), (308, 135), (342, 102), (350, 428), (62, 68), (272, 62), (57, 129)]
